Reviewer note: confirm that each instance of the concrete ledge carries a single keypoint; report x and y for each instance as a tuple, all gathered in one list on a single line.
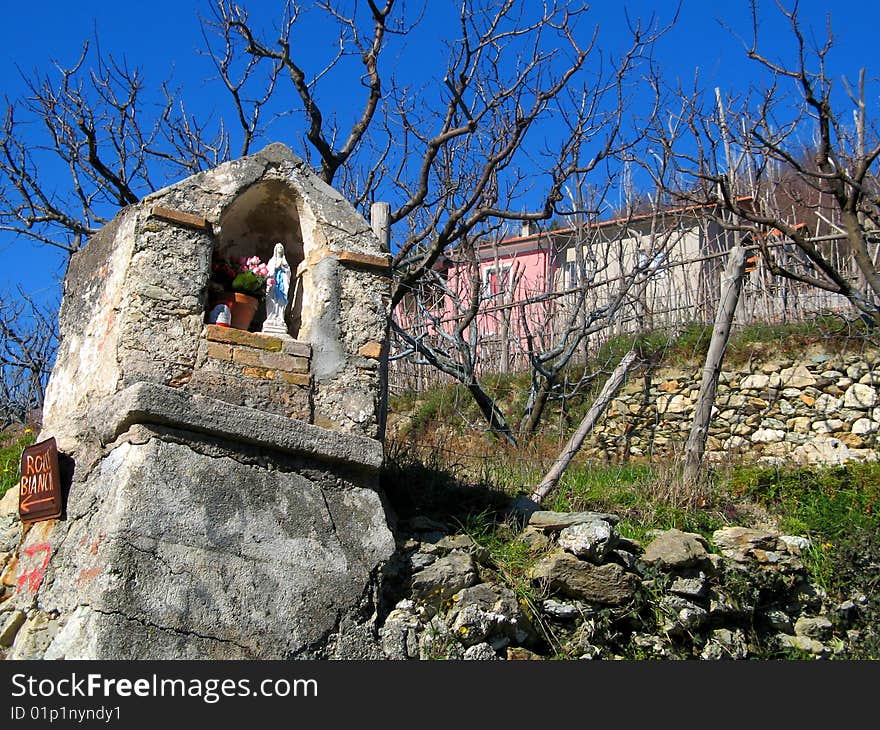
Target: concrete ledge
[(159, 404)]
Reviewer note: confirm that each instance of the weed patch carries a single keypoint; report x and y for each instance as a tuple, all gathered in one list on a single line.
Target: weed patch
[(10, 457)]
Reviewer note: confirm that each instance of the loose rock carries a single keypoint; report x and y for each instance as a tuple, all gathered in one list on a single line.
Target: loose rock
[(559, 520), (802, 643), (480, 652), (444, 578), (399, 633), (817, 627), (488, 612), (588, 540), (673, 549), (11, 624), (560, 609), (696, 587), (725, 644), (608, 584), (518, 653)]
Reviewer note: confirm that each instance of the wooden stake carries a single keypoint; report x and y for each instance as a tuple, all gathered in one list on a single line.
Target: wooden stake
[(731, 285), (576, 441), (380, 222)]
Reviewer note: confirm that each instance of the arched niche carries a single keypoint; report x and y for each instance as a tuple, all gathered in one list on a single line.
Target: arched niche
[(258, 218)]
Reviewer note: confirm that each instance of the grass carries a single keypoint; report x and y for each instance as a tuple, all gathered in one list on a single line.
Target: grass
[(837, 507), (646, 496), (824, 503), (512, 558), (598, 486), (435, 402), (791, 339), (827, 504), (690, 342), (11, 446)]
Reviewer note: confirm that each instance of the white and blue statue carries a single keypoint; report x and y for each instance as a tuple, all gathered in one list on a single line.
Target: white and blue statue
[(221, 314), (277, 287)]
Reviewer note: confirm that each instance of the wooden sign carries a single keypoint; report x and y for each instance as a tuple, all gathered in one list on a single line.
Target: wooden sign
[(39, 496)]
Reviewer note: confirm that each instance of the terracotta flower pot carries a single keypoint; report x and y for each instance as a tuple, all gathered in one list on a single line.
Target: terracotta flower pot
[(244, 307)]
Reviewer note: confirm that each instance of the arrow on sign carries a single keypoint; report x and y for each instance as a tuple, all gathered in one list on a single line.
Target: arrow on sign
[(28, 501)]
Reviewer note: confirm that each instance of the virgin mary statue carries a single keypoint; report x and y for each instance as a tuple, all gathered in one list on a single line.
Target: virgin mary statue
[(277, 286)]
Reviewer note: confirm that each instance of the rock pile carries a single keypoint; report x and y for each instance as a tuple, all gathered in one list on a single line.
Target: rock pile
[(590, 593), (824, 409)]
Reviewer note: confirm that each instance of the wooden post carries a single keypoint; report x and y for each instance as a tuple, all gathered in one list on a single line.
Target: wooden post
[(504, 342), (731, 284), (380, 222), (576, 441)]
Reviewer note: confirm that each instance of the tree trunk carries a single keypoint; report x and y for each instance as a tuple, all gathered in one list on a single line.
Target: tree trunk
[(731, 285), (504, 353), (576, 441), (493, 415), (531, 420)]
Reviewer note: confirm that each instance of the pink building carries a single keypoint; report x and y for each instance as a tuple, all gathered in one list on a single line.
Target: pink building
[(540, 293), (537, 295), (472, 308)]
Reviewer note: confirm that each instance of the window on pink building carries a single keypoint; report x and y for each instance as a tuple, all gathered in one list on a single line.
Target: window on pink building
[(495, 281)]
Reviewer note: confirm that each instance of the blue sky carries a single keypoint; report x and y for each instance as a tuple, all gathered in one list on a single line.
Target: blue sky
[(163, 37)]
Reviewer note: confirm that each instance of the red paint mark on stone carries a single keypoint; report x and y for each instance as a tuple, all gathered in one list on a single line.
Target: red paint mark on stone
[(93, 548), (33, 578), (89, 574)]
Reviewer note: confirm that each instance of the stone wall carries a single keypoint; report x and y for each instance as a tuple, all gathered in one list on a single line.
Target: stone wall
[(597, 595), (823, 407)]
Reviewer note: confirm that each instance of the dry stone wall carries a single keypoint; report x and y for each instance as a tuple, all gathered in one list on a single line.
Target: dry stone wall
[(822, 408), (597, 595)]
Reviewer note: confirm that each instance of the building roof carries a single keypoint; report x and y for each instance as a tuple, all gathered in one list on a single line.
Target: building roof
[(514, 240)]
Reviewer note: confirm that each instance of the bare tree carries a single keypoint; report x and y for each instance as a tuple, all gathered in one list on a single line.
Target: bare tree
[(231, 24), (731, 284), (114, 138), (465, 158), (793, 152), (448, 166), (453, 350), (455, 319), (27, 349), (613, 266), (505, 75), (452, 168), (607, 269)]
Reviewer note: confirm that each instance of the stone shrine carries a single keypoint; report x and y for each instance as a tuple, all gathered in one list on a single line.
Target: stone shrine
[(221, 483)]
